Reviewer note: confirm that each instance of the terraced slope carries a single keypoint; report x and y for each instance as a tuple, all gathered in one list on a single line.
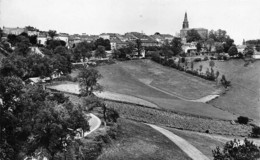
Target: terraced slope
[(244, 96)]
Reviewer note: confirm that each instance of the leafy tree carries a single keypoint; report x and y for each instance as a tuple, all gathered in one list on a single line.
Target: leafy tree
[(211, 64), (209, 43), (176, 46), (100, 52), (22, 46), (199, 46), (88, 81), (249, 51), (1, 33), (12, 39), (236, 150), (233, 51), (193, 36), (83, 50), (257, 47), (52, 33), (138, 46), (166, 51), (103, 42), (219, 47), (228, 43), (33, 39), (53, 43)]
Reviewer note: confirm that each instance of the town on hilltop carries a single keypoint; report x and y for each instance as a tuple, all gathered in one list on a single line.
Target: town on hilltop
[(193, 95)]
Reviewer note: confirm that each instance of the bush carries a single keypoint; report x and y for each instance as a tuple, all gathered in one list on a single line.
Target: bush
[(197, 60), (206, 58), (242, 120), (255, 131), (235, 150)]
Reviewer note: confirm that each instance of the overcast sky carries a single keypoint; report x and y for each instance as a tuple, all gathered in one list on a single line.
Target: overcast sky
[(240, 18)]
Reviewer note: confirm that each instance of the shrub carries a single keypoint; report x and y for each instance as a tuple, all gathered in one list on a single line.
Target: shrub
[(235, 150), (242, 120), (255, 131), (156, 57), (197, 60), (206, 58)]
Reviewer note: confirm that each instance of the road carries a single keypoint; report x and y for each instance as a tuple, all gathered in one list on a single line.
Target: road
[(189, 149)]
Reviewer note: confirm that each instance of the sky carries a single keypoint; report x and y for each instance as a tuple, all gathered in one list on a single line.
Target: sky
[(240, 18)]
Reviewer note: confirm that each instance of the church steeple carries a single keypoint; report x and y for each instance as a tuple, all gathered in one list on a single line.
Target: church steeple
[(185, 22)]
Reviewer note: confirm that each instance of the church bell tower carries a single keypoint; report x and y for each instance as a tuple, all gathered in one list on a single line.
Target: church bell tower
[(185, 22)]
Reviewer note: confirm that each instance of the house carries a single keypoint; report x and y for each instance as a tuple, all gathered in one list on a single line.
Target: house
[(145, 40), (15, 31), (64, 37), (117, 43), (42, 38), (241, 48), (189, 48), (162, 38)]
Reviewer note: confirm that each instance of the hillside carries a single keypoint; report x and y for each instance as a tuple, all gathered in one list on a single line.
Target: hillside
[(161, 85), (243, 96)]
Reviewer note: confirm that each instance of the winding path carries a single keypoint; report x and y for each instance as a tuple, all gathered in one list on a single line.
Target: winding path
[(94, 123), (189, 149)]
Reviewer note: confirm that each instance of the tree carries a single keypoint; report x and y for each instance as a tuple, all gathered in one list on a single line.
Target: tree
[(139, 46), (236, 150), (249, 51), (211, 64), (88, 81), (1, 33), (52, 33), (22, 46), (176, 46), (227, 44), (103, 42), (193, 36), (100, 52), (83, 50), (209, 43), (219, 47), (12, 38), (232, 51), (199, 46)]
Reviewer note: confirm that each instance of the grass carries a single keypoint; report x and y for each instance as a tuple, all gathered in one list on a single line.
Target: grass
[(139, 141), (134, 77), (150, 73), (243, 96)]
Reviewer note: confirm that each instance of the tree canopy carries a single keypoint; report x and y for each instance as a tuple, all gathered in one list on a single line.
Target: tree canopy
[(193, 36)]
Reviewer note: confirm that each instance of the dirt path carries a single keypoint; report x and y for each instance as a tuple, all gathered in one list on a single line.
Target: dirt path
[(202, 100), (94, 123), (189, 149)]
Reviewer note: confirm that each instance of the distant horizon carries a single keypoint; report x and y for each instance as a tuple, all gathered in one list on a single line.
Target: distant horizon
[(93, 17)]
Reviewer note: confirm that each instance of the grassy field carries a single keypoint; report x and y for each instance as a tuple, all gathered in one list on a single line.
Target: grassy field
[(138, 78), (243, 96), (137, 141)]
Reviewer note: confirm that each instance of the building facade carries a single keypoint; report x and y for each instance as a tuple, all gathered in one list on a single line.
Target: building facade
[(185, 29)]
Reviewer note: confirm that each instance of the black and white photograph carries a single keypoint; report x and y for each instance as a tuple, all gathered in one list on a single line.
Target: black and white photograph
[(129, 80)]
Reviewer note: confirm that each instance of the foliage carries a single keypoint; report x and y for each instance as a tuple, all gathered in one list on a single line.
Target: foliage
[(82, 51), (88, 81), (255, 131), (219, 47), (52, 33), (176, 46), (224, 82), (249, 51), (232, 51), (242, 120), (102, 42), (236, 150), (199, 46), (30, 120), (138, 46), (193, 36), (52, 44), (100, 52)]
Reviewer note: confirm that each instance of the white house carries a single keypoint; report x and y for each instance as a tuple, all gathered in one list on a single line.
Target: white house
[(64, 37), (41, 39)]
